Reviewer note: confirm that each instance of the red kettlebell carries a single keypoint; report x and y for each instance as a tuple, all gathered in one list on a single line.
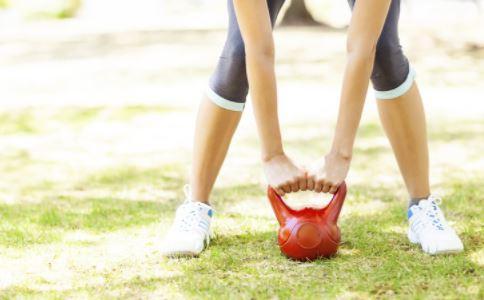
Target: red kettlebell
[(309, 233)]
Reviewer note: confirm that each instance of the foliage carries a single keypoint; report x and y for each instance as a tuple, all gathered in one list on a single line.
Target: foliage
[(47, 8)]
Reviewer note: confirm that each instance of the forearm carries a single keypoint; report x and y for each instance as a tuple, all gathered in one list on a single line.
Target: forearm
[(256, 28), (353, 94), (363, 33), (262, 82)]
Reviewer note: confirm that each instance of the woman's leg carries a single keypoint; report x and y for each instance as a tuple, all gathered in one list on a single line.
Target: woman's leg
[(219, 113), (221, 109), (403, 120), (214, 129), (400, 107)]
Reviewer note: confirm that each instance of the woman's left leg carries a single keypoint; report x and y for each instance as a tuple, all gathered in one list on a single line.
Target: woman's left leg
[(402, 115), (403, 120), (400, 107)]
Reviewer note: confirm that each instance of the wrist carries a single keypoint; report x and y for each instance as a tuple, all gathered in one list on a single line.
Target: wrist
[(341, 153), (269, 155)]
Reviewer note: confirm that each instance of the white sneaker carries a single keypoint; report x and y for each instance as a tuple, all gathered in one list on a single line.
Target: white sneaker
[(190, 232), (429, 228)]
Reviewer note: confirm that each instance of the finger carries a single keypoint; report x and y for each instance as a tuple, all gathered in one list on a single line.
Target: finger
[(326, 187), (280, 192), (294, 186), (318, 186), (333, 189), (286, 187), (310, 183), (303, 183)]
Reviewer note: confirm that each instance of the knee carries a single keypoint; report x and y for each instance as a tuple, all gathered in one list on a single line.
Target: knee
[(228, 87), (392, 75)]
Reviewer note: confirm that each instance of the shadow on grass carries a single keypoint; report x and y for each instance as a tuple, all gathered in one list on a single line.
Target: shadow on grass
[(46, 222), (135, 202), (374, 261), (371, 262)]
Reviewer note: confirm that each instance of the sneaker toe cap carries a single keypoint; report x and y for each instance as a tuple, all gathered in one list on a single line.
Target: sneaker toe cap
[(186, 244), (443, 244)]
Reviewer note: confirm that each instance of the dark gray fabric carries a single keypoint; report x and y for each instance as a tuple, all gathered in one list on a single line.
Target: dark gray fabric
[(229, 79), (391, 67)]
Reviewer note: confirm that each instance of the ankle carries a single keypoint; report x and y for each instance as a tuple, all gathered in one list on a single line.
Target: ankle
[(196, 195), (206, 202), (416, 200)]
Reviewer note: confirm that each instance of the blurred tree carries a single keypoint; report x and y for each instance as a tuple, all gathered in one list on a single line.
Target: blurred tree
[(46, 8), (3, 3), (298, 14)]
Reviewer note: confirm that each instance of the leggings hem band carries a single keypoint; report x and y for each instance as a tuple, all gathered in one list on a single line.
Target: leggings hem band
[(398, 91), (224, 103)]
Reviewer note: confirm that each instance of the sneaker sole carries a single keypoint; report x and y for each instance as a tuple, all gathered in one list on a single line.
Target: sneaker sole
[(413, 239), (181, 254), (448, 252)]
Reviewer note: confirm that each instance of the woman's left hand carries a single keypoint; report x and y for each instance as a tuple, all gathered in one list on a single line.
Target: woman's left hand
[(327, 174)]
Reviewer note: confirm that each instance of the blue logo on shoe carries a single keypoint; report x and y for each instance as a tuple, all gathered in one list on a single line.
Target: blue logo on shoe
[(210, 213), (409, 213)]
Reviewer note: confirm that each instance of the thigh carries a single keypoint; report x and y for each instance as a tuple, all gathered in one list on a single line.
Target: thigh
[(229, 80)]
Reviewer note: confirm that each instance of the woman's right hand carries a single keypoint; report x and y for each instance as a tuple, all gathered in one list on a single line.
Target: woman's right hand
[(283, 175)]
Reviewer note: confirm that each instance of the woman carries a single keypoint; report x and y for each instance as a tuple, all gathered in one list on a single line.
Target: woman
[(373, 52)]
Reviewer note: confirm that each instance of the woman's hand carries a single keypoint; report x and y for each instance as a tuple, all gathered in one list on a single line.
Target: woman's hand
[(326, 175), (283, 175)]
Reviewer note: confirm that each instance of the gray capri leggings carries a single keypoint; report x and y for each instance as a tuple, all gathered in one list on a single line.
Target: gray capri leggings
[(391, 76)]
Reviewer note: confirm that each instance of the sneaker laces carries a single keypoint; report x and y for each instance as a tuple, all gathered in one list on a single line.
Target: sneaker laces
[(434, 214), (189, 219)]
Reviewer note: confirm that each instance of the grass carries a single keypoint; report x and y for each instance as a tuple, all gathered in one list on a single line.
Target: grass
[(113, 218), (88, 190)]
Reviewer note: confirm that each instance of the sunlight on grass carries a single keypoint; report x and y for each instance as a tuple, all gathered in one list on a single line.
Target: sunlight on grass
[(91, 177), (20, 122), (478, 257), (98, 231)]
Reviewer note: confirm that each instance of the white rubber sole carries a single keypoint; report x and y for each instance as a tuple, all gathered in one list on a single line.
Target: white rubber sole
[(181, 254), (412, 237)]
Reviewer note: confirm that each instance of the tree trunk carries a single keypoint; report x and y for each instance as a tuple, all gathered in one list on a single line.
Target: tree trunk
[(298, 14)]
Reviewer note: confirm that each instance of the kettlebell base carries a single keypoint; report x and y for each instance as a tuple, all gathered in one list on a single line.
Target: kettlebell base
[(309, 259), (308, 255)]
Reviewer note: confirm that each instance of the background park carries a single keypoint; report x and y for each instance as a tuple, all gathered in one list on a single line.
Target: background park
[(97, 107)]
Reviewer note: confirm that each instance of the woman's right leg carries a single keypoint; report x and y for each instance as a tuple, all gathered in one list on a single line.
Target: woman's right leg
[(221, 109), (214, 129), (218, 116)]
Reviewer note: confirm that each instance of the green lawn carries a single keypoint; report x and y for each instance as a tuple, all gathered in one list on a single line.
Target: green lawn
[(85, 219), (95, 148)]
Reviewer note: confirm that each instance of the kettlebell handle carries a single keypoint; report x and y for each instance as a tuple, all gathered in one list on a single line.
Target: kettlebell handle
[(283, 212)]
